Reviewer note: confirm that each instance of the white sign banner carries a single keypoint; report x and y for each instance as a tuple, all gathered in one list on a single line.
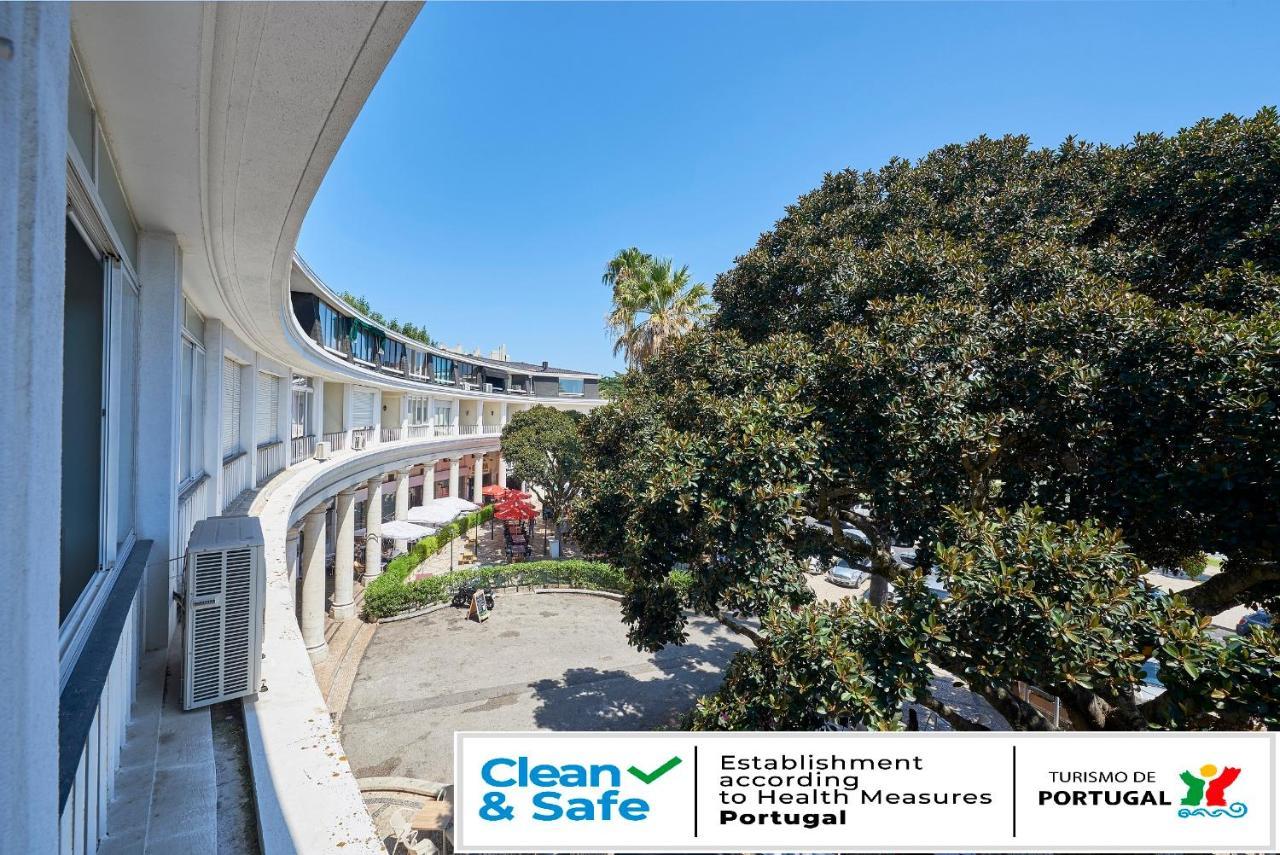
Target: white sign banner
[(853, 792)]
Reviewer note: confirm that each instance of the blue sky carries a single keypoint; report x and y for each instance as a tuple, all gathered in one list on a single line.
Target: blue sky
[(510, 149)]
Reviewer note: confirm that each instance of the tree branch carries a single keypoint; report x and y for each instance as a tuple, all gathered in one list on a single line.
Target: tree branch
[(1230, 587), (952, 715), (741, 629)]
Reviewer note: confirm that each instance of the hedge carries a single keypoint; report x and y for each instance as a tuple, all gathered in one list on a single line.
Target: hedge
[(390, 594)]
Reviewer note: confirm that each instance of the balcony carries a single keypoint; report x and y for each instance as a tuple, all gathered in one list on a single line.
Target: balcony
[(344, 335)]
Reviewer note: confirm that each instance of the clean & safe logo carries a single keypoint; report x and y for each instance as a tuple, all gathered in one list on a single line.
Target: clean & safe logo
[(570, 792), (1206, 793)]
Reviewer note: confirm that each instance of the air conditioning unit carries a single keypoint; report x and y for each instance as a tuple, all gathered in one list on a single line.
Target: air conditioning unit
[(224, 596), (323, 450), (357, 441)]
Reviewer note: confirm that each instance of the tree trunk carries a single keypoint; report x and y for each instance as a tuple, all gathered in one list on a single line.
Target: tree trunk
[(878, 592)]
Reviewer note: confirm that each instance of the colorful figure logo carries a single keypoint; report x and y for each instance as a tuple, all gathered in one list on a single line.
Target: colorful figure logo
[(1209, 788)]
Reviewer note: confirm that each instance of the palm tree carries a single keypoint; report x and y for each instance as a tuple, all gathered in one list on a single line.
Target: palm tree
[(653, 302)]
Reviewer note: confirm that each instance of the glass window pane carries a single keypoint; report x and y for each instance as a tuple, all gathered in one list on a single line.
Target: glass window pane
[(80, 115), (184, 427), (83, 308), (126, 419)]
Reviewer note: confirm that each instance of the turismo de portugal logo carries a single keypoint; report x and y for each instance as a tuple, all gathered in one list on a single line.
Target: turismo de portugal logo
[(1206, 793)]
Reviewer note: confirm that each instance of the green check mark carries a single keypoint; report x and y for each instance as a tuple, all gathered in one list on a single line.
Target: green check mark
[(650, 777)]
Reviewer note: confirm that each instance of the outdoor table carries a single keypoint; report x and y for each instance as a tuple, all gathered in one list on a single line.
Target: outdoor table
[(436, 817)]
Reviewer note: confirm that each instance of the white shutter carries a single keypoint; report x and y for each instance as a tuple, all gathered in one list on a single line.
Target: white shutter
[(362, 409), (230, 407), (267, 416)]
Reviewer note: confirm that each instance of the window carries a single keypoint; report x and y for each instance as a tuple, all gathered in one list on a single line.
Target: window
[(126, 430), (364, 342), (419, 410), (330, 325), (230, 408), (444, 415), (191, 412), (392, 354), (570, 386), (300, 417), (417, 363), (267, 413), (442, 369), (84, 318)]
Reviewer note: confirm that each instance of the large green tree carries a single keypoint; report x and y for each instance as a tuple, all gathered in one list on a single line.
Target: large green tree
[(1046, 370), (542, 447)]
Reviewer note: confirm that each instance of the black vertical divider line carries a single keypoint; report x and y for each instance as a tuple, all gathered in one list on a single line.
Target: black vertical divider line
[(695, 791), (1015, 791)]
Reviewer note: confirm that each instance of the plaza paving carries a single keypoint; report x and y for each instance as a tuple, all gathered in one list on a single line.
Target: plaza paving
[(542, 661)]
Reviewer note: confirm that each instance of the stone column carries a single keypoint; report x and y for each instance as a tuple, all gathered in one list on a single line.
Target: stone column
[(312, 620), (344, 569), (431, 417), (402, 505), (500, 468), (453, 477), (477, 478), (502, 422), (291, 557), (479, 408), (373, 530)]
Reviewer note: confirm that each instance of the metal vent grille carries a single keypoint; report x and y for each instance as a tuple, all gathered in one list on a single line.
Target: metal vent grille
[(237, 625), (225, 587)]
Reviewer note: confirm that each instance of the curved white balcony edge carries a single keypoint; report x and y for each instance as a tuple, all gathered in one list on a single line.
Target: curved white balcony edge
[(308, 798)]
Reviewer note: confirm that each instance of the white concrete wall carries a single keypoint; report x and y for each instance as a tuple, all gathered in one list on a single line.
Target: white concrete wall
[(33, 132)]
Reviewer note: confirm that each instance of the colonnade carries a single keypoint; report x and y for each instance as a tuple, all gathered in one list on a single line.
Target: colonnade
[(306, 544)]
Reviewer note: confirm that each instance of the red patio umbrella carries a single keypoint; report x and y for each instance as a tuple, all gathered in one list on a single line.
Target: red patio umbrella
[(494, 490)]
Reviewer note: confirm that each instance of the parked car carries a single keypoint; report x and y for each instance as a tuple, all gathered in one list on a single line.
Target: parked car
[(1252, 621), (1151, 686), (846, 576)]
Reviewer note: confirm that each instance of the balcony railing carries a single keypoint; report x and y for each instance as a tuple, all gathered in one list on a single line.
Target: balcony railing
[(193, 506), (419, 431), (446, 430), (337, 440), (362, 437), (492, 430), (392, 434), (270, 459), (235, 477), (300, 448), (469, 430)]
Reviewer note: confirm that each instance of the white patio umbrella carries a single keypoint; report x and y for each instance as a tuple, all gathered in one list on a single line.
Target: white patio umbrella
[(439, 511), (401, 530)]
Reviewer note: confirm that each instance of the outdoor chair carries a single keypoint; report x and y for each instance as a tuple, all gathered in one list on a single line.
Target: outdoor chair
[(406, 836)]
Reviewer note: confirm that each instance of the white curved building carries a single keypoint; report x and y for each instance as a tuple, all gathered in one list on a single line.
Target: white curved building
[(170, 359)]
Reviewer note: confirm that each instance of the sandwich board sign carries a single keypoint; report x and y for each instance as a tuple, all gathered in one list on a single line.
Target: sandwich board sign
[(479, 606)]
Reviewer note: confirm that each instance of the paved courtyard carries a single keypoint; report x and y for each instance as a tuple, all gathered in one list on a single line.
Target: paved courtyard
[(545, 661)]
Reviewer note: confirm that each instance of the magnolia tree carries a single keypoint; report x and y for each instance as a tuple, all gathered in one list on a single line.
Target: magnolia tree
[(1044, 370), (543, 449)]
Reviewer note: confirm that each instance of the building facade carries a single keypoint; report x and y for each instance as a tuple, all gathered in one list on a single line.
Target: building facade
[(170, 359)]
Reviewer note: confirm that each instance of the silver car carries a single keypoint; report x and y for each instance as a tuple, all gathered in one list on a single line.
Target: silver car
[(845, 576)]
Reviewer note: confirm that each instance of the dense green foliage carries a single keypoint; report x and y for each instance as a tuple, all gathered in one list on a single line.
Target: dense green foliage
[(543, 448), (611, 386), (406, 329), (997, 351)]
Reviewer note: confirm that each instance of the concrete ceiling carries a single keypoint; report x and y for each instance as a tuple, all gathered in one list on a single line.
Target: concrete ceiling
[(223, 119)]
